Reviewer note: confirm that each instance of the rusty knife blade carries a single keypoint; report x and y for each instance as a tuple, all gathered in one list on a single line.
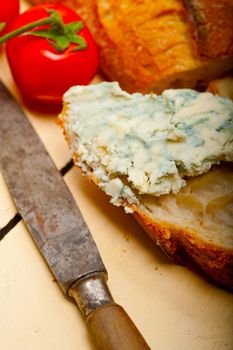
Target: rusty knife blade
[(43, 199)]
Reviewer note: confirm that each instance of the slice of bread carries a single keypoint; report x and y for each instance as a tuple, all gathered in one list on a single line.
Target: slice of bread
[(150, 45), (168, 160)]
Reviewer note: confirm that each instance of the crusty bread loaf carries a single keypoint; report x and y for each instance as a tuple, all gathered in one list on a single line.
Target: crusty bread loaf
[(193, 224), (150, 45)]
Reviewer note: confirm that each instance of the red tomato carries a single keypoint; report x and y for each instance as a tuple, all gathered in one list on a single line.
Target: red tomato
[(9, 10), (42, 73)]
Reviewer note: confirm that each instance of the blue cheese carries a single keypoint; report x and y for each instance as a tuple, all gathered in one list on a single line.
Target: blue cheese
[(147, 144)]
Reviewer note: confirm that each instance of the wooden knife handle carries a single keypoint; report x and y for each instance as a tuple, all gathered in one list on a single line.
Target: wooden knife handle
[(109, 325), (112, 329)]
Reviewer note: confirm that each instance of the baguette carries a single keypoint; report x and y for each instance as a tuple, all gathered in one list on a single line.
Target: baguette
[(159, 161), (152, 45)]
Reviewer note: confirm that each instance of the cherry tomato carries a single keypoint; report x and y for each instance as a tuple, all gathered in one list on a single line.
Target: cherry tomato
[(41, 72), (9, 10)]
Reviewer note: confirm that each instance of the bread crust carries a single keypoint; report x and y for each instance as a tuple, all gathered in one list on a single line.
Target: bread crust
[(150, 45), (211, 26), (186, 247)]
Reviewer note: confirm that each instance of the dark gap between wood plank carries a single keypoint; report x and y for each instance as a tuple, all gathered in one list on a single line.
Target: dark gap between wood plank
[(11, 224), (14, 221), (67, 167)]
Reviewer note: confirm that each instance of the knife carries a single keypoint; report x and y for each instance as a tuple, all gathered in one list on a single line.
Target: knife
[(59, 230)]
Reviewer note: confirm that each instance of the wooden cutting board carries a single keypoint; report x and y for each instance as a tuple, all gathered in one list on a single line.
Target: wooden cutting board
[(173, 307)]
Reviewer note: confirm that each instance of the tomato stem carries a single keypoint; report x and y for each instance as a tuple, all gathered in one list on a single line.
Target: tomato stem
[(24, 29), (2, 26), (59, 34)]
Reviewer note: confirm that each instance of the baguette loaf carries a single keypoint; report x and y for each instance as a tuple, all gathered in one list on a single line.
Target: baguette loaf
[(159, 157), (151, 45)]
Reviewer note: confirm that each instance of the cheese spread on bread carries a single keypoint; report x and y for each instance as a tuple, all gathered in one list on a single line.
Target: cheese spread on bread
[(146, 143)]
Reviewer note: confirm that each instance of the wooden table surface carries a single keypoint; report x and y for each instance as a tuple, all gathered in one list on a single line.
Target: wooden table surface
[(173, 307)]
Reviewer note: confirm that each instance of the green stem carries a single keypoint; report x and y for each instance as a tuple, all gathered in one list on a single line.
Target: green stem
[(58, 34), (2, 26), (27, 27)]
